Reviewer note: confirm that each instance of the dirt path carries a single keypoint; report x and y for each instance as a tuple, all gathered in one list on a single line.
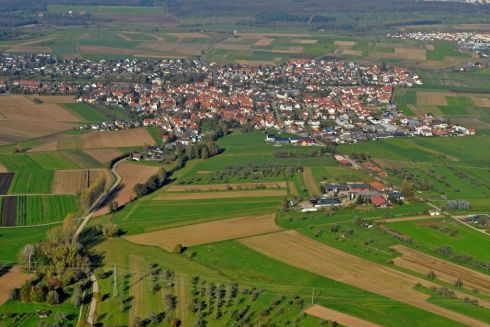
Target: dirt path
[(401, 219), (300, 251), (310, 183), (342, 318)]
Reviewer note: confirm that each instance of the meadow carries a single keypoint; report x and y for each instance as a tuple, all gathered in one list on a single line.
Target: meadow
[(33, 210), (86, 112), (13, 239)]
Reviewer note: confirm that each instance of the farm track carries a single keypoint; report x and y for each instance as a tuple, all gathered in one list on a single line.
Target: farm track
[(300, 251)]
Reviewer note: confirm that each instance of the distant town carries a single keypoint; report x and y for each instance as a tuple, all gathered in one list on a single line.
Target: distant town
[(323, 101)]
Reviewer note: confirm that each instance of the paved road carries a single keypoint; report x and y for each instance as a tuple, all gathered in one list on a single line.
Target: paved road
[(93, 304)]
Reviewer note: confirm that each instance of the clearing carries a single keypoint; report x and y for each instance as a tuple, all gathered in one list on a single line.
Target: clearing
[(298, 250), (208, 232)]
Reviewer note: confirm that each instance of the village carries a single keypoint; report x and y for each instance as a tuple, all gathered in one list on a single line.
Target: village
[(333, 102), (478, 43)]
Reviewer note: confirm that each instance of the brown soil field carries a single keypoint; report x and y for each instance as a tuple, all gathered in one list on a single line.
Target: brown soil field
[(56, 99), (430, 47), (342, 318), (347, 52), (224, 187), (481, 102), (411, 54), (190, 35), (3, 169), (9, 211), (33, 49), (345, 43), (269, 35), (289, 50), (447, 62), (74, 181), (49, 143), (116, 139), (444, 270), (131, 174), (208, 232), (36, 112), (263, 42), (173, 49), (395, 220), (219, 195), (12, 131), (300, 251), (310, 183), (14, 100), (292, 189), (103, 155), (426, 98), (14, 278), (304, 41), (5, 181)]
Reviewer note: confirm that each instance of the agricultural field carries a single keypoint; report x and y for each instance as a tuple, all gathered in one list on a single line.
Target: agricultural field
[(20, 119), (74, 181), (14, 277), (86, 112), (470, 109), (13, 239)]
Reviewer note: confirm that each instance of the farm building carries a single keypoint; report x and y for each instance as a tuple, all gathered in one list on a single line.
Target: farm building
[(379, 201), (326, 202)]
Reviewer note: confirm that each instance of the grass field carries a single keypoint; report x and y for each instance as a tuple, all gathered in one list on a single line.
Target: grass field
[(135, 10), (13, 239), (86, 112), (25, 313)]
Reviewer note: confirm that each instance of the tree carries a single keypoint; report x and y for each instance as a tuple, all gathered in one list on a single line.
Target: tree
[(140, 190), (77, 297), (407, 189), (26, 255), (110, 230), (431, 275), (113, 206), (458, 283), (53, 297), (69, 227)]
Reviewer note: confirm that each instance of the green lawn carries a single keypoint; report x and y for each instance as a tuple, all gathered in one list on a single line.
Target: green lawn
[(13, 239), (25, 314)]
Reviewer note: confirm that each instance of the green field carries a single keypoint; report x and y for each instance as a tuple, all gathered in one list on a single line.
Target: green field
[(456, 106), (13, 239), (25, 314), (87, 112), (32, 210), (107, 10), (36, 181)]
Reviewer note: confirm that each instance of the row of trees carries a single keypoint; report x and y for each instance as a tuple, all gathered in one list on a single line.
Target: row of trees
[(152, 184), (89, 195)]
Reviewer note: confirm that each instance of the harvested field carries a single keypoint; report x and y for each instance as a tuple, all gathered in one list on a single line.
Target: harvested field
[(304, 41), (131, 174), (356, 53), (32, 49), (14, 278), (300, 251), (219, 195), (342, 318), (103, 155), (9, 211), (263, 42), (225, 187), (411, 54), (425, 98), (3, 169), (56, 99), (74, 181), (310, 183), (292, 189), (36, 112), (143, 19), (190, 35), (481, 102), (444, 270), (345, 43), (254, 35), (395, 220), (116, 139), (208, 232), (5, 181), (237, 47), (16, 131)]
